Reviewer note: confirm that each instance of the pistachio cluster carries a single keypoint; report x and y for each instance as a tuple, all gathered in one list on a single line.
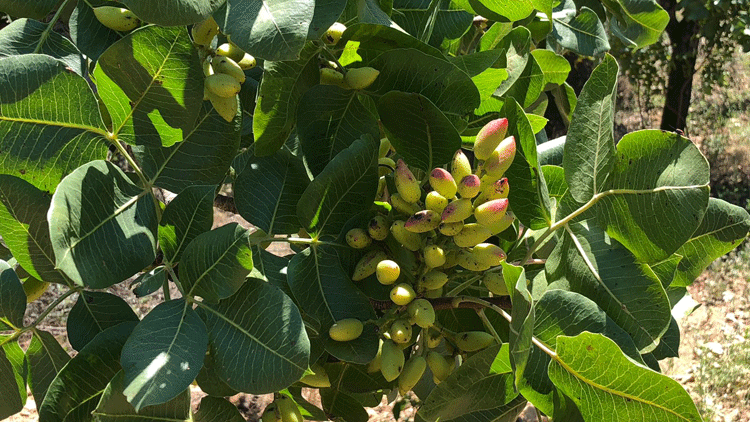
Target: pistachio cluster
[(446, 224), (223, 67)]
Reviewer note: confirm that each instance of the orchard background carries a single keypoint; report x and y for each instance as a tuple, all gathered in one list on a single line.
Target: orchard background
[(714, 362)]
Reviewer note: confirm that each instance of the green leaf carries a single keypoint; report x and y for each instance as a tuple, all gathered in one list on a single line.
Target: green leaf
[(354, 378), (12, 384), (450, 21), (327, 293), (637, 22), (375, 39), (517, 48), (203, 158), (560, 312), (271, 30), (657, 193), (26, 36), (476, 63), (580, 31), (522, 318), (215, 263), (12, 298), (529, 85), (340, 404), (24, 228), (25, 9), (326, 13), (590, 145), (480, 390), (272, 267), (152, 84), (494, 35), (260, 341), (529, 195), (93, 313), (76, 389), (587, 261), (283, 84), (309, 411), (329, 119), (188, 215), (149, 282), (554, 66), (669, 343), (723, 228), (411, 70), (369, 11), (625, 391), (102, 226), (266, 192), (215, 409), (43, 141), (163, 354), (418, 130), (511, 9), (173, 12), (88, 34), (113, 406), (347, 182), (45, 357), (208, 379)]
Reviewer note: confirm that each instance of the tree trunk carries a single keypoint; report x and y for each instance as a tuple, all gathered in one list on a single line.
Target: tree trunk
[(683, 38)]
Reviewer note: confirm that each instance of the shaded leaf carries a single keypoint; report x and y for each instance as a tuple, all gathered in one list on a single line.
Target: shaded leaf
[(188, 215), (149, 282), (102, 226), (12, 380), (163, 354), (24, 9), (173, 12), (418, 130), (338, 403), (580, 31), (450, 21), (45, 357), (113, 406), (27, 36), (215, 263), (88, 34), (258, 337), (12, 298), (215, 409), (93, 313), (637, 22)]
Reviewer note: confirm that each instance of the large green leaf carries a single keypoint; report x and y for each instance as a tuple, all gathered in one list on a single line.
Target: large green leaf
[(342, 405), (624, 391), (587, 261), (656, 194), (24, 228), (450, 21), (480, 390), (329, 119), (529, 85), (25, 9), (43, 140), (516, 46), (88, 34), (637, 22), (514, 10), (258, 337), (76, 389), (560, 312), (529, 198), (188, 215), (271, 267), (173, 12), (411, 70), (580, 31), (271, 30), (418, 130), (217, 409), (724, 226), (266, 192), (102, 226), (203, 158), (12, 382), (347, 182), (163, 354), (152, 84), (93, 313), (12, 298), (554, 66), (590, 145), (327, 293), (283, 84), (45, 357), (370, 11), (114, 406), (215, 263), (27, 36)]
